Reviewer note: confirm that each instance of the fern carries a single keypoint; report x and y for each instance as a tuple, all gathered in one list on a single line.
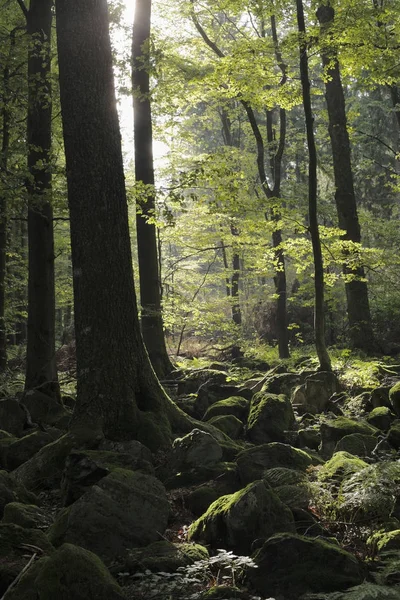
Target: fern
[(365, 591)]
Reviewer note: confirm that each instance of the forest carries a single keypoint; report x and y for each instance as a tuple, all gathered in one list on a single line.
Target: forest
[(199, 300)]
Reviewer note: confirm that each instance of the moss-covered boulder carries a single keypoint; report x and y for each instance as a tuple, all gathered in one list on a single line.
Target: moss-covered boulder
[(237, 520), (229, 424), (29, 516), (394, 398), (164, 556), (45, 409), (309, 437), (313, 395), (14, 542), (282, 383), (334, 430), (84, 468), (200, 499), (270, 417), (253, 463), (290, 564), (380, 417), (12, 416), (234, 405), (357, 444), (12, 491), (223, 474), (193, 379), (341, 465), (393, 436), (70, 573), (22, 449), (124, 510), (196, 449)]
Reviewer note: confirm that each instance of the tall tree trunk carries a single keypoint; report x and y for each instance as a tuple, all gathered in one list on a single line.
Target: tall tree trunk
[(360, 325), (118, 393), (319, 320), (41, 370), (149, 279)]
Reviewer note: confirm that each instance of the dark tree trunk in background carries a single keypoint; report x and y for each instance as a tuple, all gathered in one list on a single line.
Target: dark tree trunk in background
[(360, 326), (41, 370), (118, 393), (149, 279), (319, 320)]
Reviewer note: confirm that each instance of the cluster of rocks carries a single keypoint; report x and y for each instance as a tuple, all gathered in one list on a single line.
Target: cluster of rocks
[(261, 456)]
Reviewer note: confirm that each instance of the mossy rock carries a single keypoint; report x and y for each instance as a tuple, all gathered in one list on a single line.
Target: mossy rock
[(12, 491), (282, 383), (71, 573), (341, 465), (195, 378), (283, 476), (309, 438), (124, 510), (22, 449), (393, 436), (237, 520), (29, 516), (45, 409), (14, 541), (200, 499), (381, 417), (229, 424), (290, 564), (12, 416), (5, 435), (164, 556), (394, 398), (314, 394), (380, 396), (254, 462), (270, 417), (196, 449), (234, 405), (224, 473), (336, 429), (357, 444)]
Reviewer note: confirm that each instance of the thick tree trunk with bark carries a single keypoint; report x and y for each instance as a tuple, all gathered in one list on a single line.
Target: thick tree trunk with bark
[(118, 393), (360, 325), (149, 279), (319, 320), (41, 370)]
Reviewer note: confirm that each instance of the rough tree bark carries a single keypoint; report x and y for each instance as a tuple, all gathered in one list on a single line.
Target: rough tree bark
[(41, 370), (359, 316), (149, 279), (118, 394), (319, 318)]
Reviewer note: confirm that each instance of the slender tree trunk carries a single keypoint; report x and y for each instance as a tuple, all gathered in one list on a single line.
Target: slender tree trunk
[(149, 279), (118, 393), (360, 325), (41, 370), (319, 320)]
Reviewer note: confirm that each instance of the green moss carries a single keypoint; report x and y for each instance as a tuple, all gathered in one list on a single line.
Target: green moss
[(254, 462), (25, 515), (340, 466), (380, 417), (271, 415), (394, 398), (234, 405), (385, 541), (164, 556), (342, 426), (229, 424)]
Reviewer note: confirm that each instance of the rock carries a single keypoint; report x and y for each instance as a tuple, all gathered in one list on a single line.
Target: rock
[(124, 510), (196, 449), (291, 564), (164, 556), (254, 462), (282, 383), (334, 430), (12, 416), (223, 474), (357, 444), (306, 524), (44, 409), (294, 496), (340, 466), (233, 405), (394, 399), (12, 491), (29, 516), (70, 573), (282, 476), (380, 397), (15, 542), (237, 520), (270, 417), (198, 377), (309, 438), (314, 395), (212, 393), (84, 468), (381, 418), (393, 436), (200, 499), (22, 449), (228, 424)]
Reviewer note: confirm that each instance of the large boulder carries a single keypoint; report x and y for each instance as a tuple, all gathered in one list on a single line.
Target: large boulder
[(195, 378), (393, 436), (29, 516), (70, 573), (164, 556), (290, 564), (211, 393), (234, 405), (341, 465), (45, 409), (313, 396), (15, 542), (124, 510), (394, 398), (270, 417), (12, 416), (236, 521), (22, 449), (380, 417), (12, 491), (334, 430), (196, 449), (228, 424), (357, 444), (254, 462)]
